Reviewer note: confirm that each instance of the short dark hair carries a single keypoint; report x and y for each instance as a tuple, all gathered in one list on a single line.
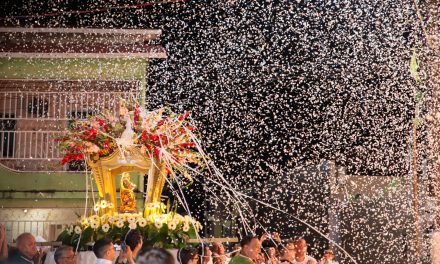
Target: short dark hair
[(59, 253), (247, 240), (100, 246), (155, 256), (133, 238), (185, 254)]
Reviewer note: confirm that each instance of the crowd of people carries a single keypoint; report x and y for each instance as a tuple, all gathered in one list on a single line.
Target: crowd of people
[(250, 250)]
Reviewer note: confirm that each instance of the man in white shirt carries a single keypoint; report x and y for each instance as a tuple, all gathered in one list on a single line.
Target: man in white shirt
[(105, 251)]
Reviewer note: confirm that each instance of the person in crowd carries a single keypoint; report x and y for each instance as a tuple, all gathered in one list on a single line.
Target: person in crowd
[(270, 255), (26, 250), (155, 256), (301, 256), (130, 247), (105, 251), (250, 250), (260, 259), (328, 258), (3, 244), (188, 256), (64, 255), (205, 255), (235, 250), (218, 254), (287, 252)]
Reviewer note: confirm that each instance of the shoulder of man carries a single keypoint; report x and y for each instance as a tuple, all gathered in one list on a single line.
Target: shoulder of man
[(240, 260)]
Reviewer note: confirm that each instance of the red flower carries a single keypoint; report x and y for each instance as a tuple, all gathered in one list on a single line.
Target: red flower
[(184, 116), (101, 122), (154, 138), (106, 145), (136, 115), (156, 153), (161, 122), (188, 145), (90, 134), (144, 135)]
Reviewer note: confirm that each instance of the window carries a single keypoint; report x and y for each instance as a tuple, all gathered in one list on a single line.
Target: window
[(7, 133)]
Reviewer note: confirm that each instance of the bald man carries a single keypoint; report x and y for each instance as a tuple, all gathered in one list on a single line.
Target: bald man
[(27, 252)]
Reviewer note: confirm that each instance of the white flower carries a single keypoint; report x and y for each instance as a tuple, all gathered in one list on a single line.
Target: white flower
[(172, 225), (105, 227), (110, 205), (132, 225), (142, 222), (70, 230), (104, 218), (177, 218), (85, 222), (94, 218), (103, 204), (94, 224), (96, 207), (120, 224), (78, 230), (185, 227), (158, 224), (122, 217), (131, 219)]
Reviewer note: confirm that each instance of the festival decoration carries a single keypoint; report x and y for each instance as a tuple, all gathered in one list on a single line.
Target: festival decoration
[(162, 229), (161, 144)]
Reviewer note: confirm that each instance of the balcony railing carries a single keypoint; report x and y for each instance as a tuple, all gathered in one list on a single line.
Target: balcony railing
[(59, 105), (31, 121)]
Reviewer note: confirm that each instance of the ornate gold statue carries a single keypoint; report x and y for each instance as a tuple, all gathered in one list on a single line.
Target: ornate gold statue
[(128, 199)]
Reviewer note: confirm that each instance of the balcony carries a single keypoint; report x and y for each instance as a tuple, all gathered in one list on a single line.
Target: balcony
[(30, 121)]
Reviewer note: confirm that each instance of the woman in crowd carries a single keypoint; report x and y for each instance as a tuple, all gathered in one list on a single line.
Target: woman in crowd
[(188, 255)]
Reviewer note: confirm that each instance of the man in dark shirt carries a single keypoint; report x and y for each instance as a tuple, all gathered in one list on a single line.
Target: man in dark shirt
[(27, 252)]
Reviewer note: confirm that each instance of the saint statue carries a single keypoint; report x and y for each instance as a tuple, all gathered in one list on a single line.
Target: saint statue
[(128, 199)]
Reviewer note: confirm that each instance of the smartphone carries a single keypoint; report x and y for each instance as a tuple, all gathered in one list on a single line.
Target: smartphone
[(123, 246)]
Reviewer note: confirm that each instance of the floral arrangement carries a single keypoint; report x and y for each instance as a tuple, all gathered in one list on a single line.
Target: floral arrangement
[(160, 134), (167, 230)]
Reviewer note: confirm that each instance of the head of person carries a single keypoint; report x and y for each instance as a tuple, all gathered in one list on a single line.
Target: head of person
[(134, 240), (236, 249), (104, 249), (218, 248), (288, 251), (260, 259), (329, 255), (205, 255), (301, 247), (155, 256), (26, 245), (271, 252), (250, 247), (64, 255), (188, 256), (219, 259)]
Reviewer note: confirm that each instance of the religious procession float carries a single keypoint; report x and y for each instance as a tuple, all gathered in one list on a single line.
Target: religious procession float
[(160, 144)]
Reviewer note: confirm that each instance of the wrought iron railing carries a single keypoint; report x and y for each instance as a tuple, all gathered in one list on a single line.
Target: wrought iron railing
[(58, 106), (31, 121)]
